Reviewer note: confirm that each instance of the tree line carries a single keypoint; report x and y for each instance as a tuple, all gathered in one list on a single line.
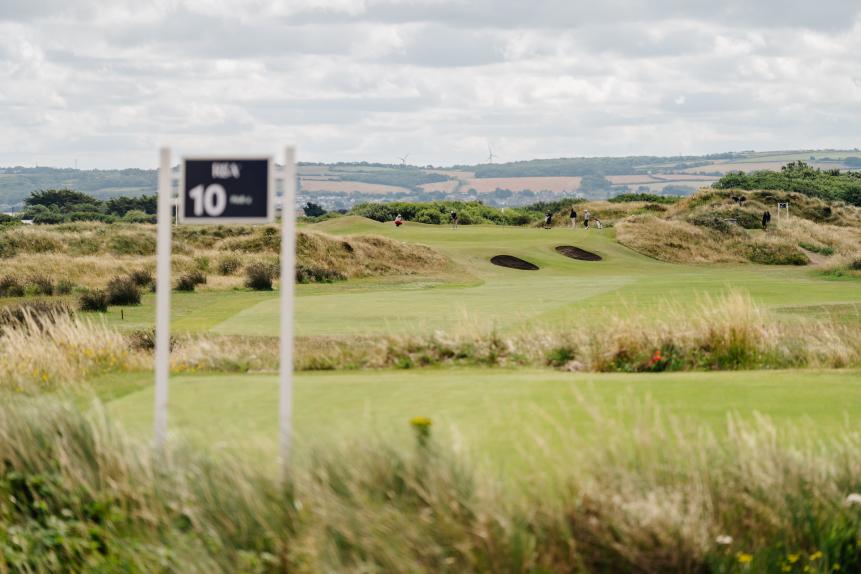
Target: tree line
[(798, 176), (50, 206)]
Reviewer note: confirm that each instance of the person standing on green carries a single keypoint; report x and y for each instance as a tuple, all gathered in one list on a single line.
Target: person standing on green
[(586, 217), (573, 218)]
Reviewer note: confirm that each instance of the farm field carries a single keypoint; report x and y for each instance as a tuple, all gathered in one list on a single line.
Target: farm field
[(349, 186), (477, 295)]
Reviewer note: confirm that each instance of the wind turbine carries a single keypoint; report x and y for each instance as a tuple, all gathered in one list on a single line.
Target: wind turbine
[(490, 155), (404, 160)]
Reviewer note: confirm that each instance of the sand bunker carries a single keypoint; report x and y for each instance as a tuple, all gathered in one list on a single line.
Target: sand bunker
[(577, 253), (513, 262)]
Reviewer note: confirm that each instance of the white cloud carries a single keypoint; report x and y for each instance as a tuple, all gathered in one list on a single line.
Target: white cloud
[(107, 83)]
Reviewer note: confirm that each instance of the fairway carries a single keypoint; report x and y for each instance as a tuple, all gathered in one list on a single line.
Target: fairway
[(499, 415), (475, 294)]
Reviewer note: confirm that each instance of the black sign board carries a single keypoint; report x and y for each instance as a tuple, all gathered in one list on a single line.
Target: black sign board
[(227, 190)]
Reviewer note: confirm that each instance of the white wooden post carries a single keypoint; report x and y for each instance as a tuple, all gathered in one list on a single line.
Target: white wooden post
[(162, 295), (288, 277)]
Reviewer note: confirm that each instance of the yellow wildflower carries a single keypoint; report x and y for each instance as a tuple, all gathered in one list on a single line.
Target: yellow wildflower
[(744, 557), (816, 555), (420, 422), (793, 558)]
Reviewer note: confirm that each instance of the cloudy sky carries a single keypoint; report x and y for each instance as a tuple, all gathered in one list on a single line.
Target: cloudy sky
[(106, 82)]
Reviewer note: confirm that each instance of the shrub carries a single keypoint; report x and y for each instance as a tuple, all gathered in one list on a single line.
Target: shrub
[(777, 253), (144, 340), (258, 276), (10, 287), (712, 222), (188, 281), (133, 244), (142, 277), (650, 197), (47, 219), (123, 291), (64, 287), (315, 274), (202, 263), (560, 356), (39, 312), (228, 265), (41, 285), (821, 249), (138, 216), (432, 216), (93, 301)]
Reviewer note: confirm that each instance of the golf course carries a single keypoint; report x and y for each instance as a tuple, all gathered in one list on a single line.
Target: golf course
[(475, 294), (495, 411), (528, 396)]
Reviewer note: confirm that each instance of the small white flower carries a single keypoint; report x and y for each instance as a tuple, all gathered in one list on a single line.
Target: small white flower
[(852, 499), (724, 539)]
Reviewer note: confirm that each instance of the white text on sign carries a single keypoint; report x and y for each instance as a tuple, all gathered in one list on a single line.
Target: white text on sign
[(225, 170)]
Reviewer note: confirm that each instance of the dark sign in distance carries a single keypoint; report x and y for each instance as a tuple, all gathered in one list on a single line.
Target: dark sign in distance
[(227, 190)]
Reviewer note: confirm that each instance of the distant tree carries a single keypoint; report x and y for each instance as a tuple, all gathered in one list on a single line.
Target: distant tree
[(119, 206), (313, 210), (65, 200)]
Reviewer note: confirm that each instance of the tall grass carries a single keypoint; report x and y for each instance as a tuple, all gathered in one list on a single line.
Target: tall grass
[(90, 254), (44, 353), (729, 332), (660, 496), (698, 229), (726, 332)]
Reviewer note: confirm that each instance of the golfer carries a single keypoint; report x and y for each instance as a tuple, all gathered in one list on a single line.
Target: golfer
[(399, 220), (586, 217), (573, 218), (453, 217), (766, 219), (548, 220)]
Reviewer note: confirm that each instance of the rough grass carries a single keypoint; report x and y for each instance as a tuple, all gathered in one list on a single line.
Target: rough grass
[(77, 495), (726, 333), (699, 229), (43, 352), (365, 255), (90, 254)]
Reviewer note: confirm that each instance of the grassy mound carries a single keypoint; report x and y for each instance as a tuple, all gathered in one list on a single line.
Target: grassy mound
[(90, 254), (713, 227), (363, 256)]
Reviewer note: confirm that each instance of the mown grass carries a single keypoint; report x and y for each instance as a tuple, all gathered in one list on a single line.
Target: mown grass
[(659, 496), (497, 415)]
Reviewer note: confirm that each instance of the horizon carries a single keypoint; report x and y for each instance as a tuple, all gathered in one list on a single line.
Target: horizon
[(455, 165)]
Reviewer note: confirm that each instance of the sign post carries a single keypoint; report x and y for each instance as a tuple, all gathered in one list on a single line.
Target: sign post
[(162, 299), (288, 277), (782, 206), (219, 191)]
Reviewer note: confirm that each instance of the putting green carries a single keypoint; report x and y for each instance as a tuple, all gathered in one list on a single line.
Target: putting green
[(501, 415), (477, 294)]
